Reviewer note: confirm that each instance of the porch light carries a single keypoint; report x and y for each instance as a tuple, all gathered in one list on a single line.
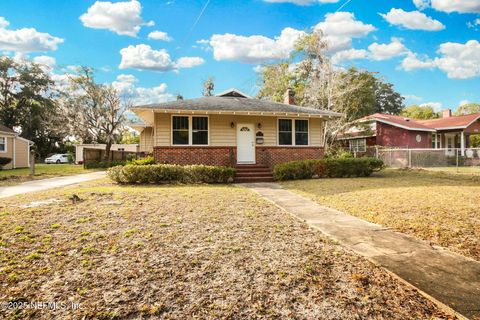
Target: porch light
[(259, 125), (232, 125)]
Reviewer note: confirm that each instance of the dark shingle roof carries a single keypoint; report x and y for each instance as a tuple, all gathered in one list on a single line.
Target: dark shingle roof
[(231, 104), (6, 129)]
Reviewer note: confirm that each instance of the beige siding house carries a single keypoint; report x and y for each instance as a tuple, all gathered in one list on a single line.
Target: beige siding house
[(231, 129), (14, 147)]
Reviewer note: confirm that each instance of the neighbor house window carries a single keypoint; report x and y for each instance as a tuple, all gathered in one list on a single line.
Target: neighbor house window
[(3, 144), (189, 130), (436, 141), (358, 145), (292, 132)]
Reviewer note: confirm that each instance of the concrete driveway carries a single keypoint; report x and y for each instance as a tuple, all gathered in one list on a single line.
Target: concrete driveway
[(46, 184)]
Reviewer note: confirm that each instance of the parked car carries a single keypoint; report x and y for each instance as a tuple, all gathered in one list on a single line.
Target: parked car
[(57, 158)]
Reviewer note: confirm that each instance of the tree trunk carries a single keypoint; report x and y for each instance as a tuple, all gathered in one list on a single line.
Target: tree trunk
[(108, 156)]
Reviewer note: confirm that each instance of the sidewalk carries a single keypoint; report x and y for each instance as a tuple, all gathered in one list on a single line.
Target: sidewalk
[(447, 277), (45, 184)]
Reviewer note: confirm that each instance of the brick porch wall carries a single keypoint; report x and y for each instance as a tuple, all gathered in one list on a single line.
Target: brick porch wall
[(227, 156), (212, 156), (270, 156)]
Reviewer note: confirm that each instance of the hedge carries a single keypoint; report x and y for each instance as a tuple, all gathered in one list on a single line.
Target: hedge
[(168, 173), (4, 161), (327, 168), (143, 161), (103, 164)]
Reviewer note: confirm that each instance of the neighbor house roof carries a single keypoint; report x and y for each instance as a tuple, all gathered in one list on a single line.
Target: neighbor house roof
[(6, 129), (240, 105), (455, 122), (398, 121)]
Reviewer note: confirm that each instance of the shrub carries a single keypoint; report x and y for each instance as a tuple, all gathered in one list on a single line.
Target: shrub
[(103, 164), (327, 168), (167, 173), (142, 162), (4, 161)]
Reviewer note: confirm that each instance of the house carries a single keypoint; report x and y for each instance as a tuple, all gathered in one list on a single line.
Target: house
[(448, 132), (232, 128), (115, 147), (14, 147)]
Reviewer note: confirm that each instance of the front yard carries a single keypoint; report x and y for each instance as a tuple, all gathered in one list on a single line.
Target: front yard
[(442, 208), (42, 171), (183, 252)]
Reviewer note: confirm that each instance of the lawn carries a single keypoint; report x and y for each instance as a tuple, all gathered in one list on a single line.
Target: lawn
[(442, 208), (42, 171), (183, 252), (473, 170)]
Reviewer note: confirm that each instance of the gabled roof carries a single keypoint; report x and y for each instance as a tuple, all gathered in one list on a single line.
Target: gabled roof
[(455, 122), (398, 121), (6, 129), (235, 105), (232, 92)]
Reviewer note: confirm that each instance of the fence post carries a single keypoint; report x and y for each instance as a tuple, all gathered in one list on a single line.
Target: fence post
[(456, 151), (410, 158)]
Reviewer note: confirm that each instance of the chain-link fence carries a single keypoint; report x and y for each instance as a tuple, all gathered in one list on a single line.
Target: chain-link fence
[(429, 158)]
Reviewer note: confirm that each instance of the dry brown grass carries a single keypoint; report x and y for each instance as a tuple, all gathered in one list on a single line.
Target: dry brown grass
[(439, 207), (182, 252)]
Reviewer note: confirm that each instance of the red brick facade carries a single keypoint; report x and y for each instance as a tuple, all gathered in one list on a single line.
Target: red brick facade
[(227, 156)]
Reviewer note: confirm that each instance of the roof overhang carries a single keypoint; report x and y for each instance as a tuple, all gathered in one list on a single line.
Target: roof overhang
[(357, 137), (402, 126), (141, 112)]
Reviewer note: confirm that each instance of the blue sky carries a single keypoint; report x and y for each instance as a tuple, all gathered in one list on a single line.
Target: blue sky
[(429, 50)]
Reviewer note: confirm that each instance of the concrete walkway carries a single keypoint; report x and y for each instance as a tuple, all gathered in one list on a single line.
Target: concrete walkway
[(46, 184), (451, 279)]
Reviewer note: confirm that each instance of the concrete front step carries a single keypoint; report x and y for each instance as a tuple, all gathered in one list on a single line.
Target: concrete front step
[(253, 179)]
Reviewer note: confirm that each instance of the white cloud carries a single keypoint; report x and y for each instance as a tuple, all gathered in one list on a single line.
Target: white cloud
[(414, 20), (457, 60), (26, 39), (143, 57), (412, 62), (45, 60), (253, 49), (302, 2), (387, 51), (3, 22), (436, 106), (159, 35), (123, 18), (340, 27), (464, 102), (461, 6), (421, 4), (412, 97), (349, 54), (189, 62), (474, 23), (125, 84)]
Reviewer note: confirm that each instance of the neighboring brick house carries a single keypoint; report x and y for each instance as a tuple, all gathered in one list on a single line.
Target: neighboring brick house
[(449, 132), (230, 129)]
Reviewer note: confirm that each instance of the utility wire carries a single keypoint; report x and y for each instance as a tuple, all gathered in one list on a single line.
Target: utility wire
[(343, 5), (196, 22)]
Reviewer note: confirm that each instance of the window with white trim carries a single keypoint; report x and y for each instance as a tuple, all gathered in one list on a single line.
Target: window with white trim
[(358, 145), (436, 141), (292, 132), (3, 144), (189, 130)]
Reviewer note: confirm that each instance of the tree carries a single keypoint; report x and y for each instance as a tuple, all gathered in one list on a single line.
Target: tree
[(317, 83), (96, 111), (468, 108), (419, 112), (387, 100), (208, 87), (29, 103), (179, 97), (129, 137)]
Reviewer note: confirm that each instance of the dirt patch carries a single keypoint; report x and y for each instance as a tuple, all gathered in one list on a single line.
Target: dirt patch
[(183, 252)]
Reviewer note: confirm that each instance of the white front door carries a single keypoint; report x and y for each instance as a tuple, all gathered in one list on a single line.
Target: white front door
[(245, 143)]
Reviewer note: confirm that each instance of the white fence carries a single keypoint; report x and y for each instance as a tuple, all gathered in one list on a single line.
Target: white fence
[(426, 158)]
